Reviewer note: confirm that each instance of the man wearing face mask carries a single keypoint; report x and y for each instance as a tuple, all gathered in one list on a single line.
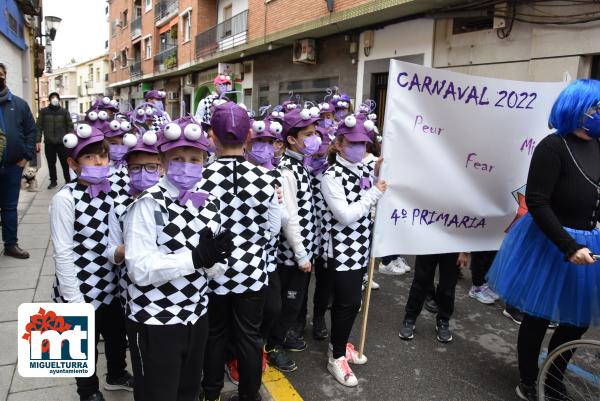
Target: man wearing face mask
[(18, 125), (53, 123)]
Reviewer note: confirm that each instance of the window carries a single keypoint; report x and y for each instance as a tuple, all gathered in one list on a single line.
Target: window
[(65, 81), (97, 74), (308, 89), (148, 5), (12, 24), (227, 12), (124, 58), (113, 28), (263, 95), (186, 27), (80, 108), (124, 23), (113, 66), (91, 74), (148, 47)]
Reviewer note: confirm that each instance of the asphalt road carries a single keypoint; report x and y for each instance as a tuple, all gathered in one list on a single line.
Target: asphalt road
[(480, 364)]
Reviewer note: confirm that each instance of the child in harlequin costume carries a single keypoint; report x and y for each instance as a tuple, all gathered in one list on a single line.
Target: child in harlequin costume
[(149, 116), (157, 98), (114, 132), (144, 170), (79, 230), (174, 243), (250, 209), (297, 244), (277, 115), (342, 105), (545, 266), (349, 194)]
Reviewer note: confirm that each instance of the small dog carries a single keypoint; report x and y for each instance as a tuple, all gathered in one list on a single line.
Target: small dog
[(28, 180)]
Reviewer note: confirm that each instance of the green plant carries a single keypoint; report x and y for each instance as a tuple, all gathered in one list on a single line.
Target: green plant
[(171, 61)]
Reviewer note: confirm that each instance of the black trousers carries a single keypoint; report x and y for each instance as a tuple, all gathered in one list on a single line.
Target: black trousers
[(167, 359), (235, 317), (322, 292), (425, 266), (529, 343), (52, 152), (480, 265), (272, 308), (293, 288), (110, 322), (347, 295)]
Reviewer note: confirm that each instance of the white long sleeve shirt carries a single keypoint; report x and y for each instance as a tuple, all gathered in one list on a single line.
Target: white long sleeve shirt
[(62, 221), (335, 198)]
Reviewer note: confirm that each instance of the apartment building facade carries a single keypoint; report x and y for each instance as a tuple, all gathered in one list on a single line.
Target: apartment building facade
[(92, 80)]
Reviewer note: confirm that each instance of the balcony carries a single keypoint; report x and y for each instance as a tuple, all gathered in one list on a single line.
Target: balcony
[(136, 27), (135, 70), (165, 9), (166, 59), (224, 36)]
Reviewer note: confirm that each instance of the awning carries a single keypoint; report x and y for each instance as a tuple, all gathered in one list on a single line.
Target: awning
[(169, 25)]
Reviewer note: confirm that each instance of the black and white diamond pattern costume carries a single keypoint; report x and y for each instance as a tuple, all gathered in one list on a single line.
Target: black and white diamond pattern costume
[(306, 210), (350, 243), (95, 274), (181, 299), (320, 208), (116, 221), (119, 180), (246, 193), (272, 246)]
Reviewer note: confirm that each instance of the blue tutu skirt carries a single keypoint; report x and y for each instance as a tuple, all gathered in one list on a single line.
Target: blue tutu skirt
[(530, 273)]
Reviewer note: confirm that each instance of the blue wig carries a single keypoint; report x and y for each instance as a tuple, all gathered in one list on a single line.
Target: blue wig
[(572, 103)]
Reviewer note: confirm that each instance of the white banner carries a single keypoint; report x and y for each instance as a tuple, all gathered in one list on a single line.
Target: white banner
[(457, 150)]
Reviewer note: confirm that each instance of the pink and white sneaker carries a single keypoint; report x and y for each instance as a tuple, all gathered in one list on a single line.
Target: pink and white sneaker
[(341, 371), (352, 355)]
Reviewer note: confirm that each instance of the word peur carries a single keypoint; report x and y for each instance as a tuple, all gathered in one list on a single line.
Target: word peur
[(429, 217), (426, 129)]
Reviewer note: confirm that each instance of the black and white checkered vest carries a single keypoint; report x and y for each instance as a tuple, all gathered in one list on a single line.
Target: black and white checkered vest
[(306, 211), (182, 300), (351, 244), (122, 202), (245, 192), (320, 209), (272, 247), (158, 122), (119, 180), (96, 275)]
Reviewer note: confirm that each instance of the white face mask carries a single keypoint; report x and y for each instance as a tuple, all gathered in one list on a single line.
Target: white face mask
[(54, 101)]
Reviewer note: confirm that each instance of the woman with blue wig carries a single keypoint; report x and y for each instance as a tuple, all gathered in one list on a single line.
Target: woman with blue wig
[(545, 266)]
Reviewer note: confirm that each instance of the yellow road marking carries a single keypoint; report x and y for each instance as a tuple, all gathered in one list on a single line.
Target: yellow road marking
[(279, 386)]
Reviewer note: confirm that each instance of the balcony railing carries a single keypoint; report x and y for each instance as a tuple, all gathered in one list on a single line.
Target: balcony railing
[(135, 70), (164, 8), (166, 59), (136, 27), (226, 35)]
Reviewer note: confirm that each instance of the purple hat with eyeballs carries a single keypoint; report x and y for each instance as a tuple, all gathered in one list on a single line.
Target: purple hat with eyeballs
[(341, 101), (146, 142), (266, 129), (106, 103), (327, 107), (155, 94), (83, 135), (96, 117), (116, 128), (145, 111), (300, 119), (185, 131), (356, 129), (230, 123), (289, 105)]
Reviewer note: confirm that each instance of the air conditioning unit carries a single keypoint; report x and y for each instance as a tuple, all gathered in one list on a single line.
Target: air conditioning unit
[(119, 23), (172, 95), (189, 80), (305, 52)]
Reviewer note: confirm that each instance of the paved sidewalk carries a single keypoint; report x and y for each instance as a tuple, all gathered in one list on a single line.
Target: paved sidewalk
[(31, 280)]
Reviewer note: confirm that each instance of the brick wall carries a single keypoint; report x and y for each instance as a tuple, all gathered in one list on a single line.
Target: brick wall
[(204, 16), (283, 14), (120, 40), (148, 28)]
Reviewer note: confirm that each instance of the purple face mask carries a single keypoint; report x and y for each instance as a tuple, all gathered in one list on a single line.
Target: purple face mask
[(325, 123), (94, 174), (184, 175), (262, 152), (275, 161), (117, 152), (316, 163), (354, 152), (311, 145), (142, 180)]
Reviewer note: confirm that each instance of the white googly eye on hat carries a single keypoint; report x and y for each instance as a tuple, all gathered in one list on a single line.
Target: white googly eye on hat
[(140, 112), (243, 106), (192, 132), (376, 130), (114, 125), (305, 114), (379, 138), (92, 116), (314, 112), (372, 116), (106, 100), (325, 106), (350, 121), (162, 93), (258, 126), (218, 102), (103, 115), (114, 103), (274, 114), (125, 125), (275, 127), (227, 77), (336, 96), (281, 114), (70, 141), (172, 131), (319, 140), (129, 140), (149, 111), (369, 125), (150, 137), (83, 131)]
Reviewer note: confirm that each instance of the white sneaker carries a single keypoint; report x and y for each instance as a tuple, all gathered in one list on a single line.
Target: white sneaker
[(374, 285), (402, 263), (351, 355), (340, 369), (490, 293), (480, 295), (392, 268)]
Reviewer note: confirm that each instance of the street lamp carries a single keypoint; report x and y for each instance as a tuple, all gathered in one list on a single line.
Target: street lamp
[(52, 24)]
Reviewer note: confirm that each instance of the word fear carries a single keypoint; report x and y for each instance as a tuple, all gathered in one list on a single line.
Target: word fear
[(428, 217), (477, 165), (426, 129)]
